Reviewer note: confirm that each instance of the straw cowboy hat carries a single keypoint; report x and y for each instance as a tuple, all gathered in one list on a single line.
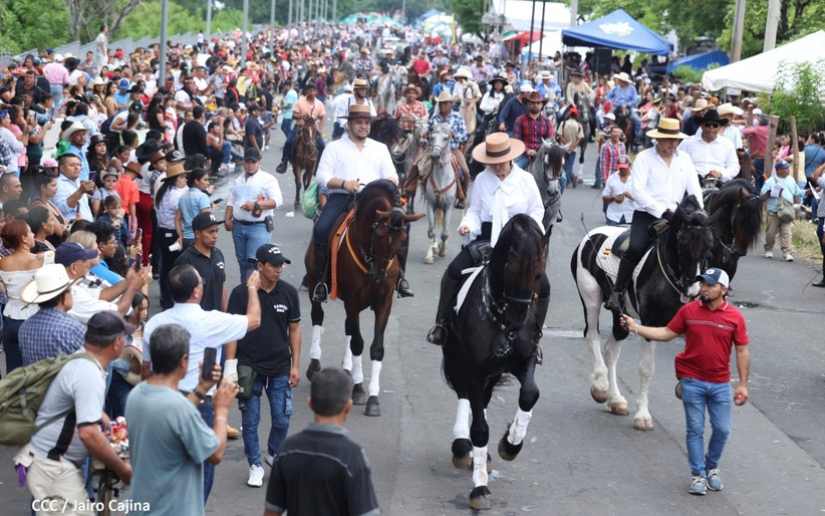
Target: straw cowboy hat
[(360, 83), (498, 148), (358, 111), (668, 130), (623, 77), (412, 87), (75, 127), (444, 96), (729, 109), (174, 165), (535, 96), (49, 281), (700, 105)]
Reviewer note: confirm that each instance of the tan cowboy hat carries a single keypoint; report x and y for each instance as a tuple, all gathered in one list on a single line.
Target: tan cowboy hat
[(360, 83), (498, 148), (413, 88), (622, 77), (358, 111), (174, 169), (444, 96), (535, 96), (700, 105), (729, 109), (135, 168), (668, 130), (49, 281)]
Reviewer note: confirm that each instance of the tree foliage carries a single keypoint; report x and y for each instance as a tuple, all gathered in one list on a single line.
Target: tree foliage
[(800, 92)]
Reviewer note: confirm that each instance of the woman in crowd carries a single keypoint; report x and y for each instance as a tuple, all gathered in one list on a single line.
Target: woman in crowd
[(169, 228), (44, 226), (46, 188)]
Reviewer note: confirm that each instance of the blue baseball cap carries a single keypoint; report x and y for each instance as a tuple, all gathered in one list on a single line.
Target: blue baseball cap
[(123, 84), (714, 276), (69, 252), (781, 165)]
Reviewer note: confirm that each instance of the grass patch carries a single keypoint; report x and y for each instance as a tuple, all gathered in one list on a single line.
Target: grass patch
[(805, 241)]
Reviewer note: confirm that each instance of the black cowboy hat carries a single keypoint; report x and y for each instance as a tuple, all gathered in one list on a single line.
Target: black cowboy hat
[(499, 78), (711, 116)]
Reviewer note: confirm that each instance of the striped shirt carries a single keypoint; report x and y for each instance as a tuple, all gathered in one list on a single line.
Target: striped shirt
[(532, 131), (48, 333)]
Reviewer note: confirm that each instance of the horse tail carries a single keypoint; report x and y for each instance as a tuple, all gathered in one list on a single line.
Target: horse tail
[(574, 267)]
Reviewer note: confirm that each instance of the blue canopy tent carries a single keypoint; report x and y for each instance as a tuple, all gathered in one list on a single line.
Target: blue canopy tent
[(701, 61), (616, 30)]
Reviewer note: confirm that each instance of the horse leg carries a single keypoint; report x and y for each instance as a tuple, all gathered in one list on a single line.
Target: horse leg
[(382, 315), (616, 403), (511, 442), (462, 446), (591, 298), (642, 420), (355, 348), (296, 170), (445, 218), (479, 434), (429, 257), (315, 349)]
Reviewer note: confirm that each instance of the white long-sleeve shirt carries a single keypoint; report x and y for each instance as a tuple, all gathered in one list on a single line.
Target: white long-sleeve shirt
[(248, 188), (717, 155), (496, 201), (344, 160), (657, 187)]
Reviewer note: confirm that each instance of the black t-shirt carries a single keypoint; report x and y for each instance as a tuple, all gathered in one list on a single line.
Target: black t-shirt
[(321, 471), (266, 349), (194, 139), (212, 272), (253, 130)]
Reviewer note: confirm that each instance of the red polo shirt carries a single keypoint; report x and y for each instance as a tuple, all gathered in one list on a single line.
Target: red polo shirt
[(709, 336)]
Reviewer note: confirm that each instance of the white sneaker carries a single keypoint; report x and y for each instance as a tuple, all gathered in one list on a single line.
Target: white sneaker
[(256, 476), (269, 460), (768, 254), (788, 257)]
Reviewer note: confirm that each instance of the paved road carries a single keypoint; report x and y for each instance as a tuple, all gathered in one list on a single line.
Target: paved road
[(577, 459)]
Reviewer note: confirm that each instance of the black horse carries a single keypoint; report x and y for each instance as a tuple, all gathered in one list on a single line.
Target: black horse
[(735, 212), (496, 330), (662, 282)]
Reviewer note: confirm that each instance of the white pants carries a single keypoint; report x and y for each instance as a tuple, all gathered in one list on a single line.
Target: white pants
[(55, 484)]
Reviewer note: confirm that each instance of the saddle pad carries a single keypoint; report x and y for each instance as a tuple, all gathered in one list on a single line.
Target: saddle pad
[(335, 243), (465, 287), (605, 259)]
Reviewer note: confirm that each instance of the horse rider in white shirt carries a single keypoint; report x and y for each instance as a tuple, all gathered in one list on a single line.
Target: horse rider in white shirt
[(662, 175), (713, 155), (501, 191), (346, 166)]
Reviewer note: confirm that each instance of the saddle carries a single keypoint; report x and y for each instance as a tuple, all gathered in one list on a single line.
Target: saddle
[(621, 244), (336, 240)]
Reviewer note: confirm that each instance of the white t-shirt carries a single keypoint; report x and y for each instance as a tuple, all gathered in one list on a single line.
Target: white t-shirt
[(615, 211)]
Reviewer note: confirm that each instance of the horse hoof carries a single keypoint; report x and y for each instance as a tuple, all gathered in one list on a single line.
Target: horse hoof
[(461, 454), (506, 450), (480, 499), (373, 408), (314, 367), (359, 395), (429, 260), (618, 408), (598, 395), (643, 424)]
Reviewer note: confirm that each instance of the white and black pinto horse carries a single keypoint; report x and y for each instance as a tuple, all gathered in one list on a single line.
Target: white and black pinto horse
[(496, 330), (663, 281)]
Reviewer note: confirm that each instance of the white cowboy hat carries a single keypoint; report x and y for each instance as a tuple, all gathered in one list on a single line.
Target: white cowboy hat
[(49, 281), (498, 148), (622, 77), (729, 109), (444, 96), (610, 116), (545, 74), (668, 129), (462, 72), (525, 87), (75, 127), (58, 58)]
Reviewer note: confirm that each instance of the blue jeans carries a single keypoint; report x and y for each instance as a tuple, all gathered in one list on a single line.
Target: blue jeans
[(208, 415), (698, 395), (569, 163), (758, 172), (523, 161), (280, 408), (286, 126), (598, 180), (248, 238)]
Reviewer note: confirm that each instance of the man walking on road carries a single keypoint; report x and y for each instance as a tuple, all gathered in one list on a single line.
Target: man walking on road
[(711, 327)]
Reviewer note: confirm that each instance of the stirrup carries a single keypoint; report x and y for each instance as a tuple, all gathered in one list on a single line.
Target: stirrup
[(320, 292), (403, 288), (437, 334)]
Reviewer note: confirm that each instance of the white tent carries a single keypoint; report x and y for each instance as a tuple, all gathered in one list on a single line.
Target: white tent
[(518, 13), (761, 72), (549, 46)]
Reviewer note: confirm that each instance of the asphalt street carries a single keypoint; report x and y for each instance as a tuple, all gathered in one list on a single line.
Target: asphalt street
[(577, 458)]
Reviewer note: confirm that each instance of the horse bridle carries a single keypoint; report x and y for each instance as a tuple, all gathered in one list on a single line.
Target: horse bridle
[(369, 257), (496, 311)]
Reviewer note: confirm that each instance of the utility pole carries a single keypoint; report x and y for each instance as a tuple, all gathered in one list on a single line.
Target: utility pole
[(574, 12), (244, 42), (208, 18), (334, 11), (272, 14), (541, 36), (738, 31), (289, 14), (771, 25), (164, 28), (530, 37)]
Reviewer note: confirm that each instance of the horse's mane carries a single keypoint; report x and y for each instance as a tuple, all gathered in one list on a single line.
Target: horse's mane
[(522, 235), (737, 207), (386, 130)]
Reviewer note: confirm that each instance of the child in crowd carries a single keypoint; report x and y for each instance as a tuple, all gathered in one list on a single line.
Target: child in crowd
[(113, 214), (107, 189)]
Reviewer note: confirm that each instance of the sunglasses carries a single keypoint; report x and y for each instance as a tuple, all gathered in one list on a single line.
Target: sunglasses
[(713, 125)]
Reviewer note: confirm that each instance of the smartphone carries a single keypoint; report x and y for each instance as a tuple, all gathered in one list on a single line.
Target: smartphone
[(209, 356)]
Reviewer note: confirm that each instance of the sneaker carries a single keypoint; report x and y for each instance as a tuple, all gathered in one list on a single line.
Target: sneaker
[(269, 459), (714, 480), (698, 486), (788, 257), (768, 254), (256, 476)]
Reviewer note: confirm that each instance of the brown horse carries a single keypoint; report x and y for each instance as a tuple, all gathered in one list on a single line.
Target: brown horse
[(367, 270), (304, 157)]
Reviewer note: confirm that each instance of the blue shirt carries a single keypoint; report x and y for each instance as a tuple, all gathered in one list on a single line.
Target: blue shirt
[(547, 89), (512, 109), (102, 271), (790, 189), (289, 103), (459, 130), (626, 96), (814, 158), (65, 188), (48, 333), (190, 204), (84, 162)]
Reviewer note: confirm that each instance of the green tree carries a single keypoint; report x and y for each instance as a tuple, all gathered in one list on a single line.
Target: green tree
[(799, 92), (28, 24)]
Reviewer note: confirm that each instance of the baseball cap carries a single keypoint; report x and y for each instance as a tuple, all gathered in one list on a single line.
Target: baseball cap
[(108, 324), (251, 154), (781, 164), (271, 253), (713, 276), (204, 220), (69, 252), (123, 84)]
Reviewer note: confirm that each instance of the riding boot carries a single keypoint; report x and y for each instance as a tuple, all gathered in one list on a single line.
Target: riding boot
[(403, 286), (542, 305), (616, 301), (321, 290), (461, 192), (438, 333)]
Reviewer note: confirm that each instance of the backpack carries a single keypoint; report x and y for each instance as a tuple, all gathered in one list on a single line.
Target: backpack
[(309, 201), (22, 392)]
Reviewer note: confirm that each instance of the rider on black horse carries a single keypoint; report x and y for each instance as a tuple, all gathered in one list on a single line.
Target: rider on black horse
[(347, 165), (662, 176), (501, 191)]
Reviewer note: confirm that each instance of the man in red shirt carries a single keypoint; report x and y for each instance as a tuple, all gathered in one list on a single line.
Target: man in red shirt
[(711, 328), (757, 138)]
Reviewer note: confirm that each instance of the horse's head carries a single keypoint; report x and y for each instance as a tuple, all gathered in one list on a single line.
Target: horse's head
[(440, 140), (517, 264), (692, 242), (746, 216)]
